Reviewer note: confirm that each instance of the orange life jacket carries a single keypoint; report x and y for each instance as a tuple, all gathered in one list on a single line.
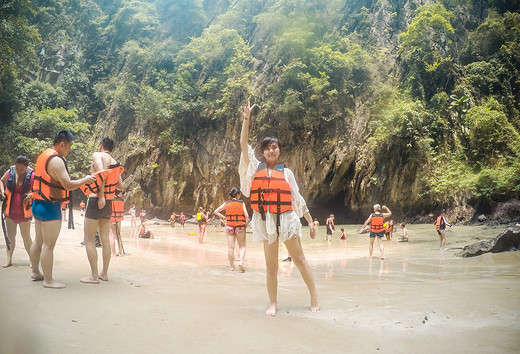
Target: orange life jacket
[(235, 213), (112, 179), (270, 193), (45, 187), (93, 187), (440, 224), (376, 223), (26, 187), (118, 207)]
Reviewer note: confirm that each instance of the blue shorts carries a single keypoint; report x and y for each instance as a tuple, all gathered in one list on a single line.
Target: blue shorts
[(378, 234), (46, 211)]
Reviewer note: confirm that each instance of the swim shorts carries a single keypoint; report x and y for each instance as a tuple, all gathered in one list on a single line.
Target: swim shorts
[(378, 234), (46, 211), (439, 232), (93, 212), (234, 229)]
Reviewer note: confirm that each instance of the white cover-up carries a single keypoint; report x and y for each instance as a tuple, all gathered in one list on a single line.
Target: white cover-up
[(290, 225)]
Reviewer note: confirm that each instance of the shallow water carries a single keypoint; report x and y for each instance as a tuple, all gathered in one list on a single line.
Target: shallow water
[(418, 259)]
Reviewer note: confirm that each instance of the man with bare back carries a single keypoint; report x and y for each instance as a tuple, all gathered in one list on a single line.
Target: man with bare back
[(51, 187), (99, 209)]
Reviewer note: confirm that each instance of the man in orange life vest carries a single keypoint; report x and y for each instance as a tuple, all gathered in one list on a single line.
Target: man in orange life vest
[(376, 228), (51, 187), (99, 208)]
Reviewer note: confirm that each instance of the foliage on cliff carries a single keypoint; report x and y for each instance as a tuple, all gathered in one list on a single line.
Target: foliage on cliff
[(407, 102)]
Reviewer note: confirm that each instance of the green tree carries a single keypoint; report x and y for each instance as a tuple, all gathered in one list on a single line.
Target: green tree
[(426, 51)]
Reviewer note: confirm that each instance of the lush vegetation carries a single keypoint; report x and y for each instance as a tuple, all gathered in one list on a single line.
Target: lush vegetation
[(440, 93)]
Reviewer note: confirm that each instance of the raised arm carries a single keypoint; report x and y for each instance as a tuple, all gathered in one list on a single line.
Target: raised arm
[(244, 133), (388, 212)]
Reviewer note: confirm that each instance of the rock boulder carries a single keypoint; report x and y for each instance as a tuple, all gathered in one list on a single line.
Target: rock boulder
[(507, 241)]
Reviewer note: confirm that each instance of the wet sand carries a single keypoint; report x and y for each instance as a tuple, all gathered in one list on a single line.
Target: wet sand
[(171, 294)]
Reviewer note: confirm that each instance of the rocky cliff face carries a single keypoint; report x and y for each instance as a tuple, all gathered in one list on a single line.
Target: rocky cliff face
[(337, 173)]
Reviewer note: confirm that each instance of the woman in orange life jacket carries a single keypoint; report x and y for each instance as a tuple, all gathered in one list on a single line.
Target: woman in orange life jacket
[(16, 184), (376, 228), (277, 209), (236, 220)]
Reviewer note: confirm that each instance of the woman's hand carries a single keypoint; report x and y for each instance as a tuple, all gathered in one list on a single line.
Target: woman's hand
[(247, 110), (312, 230)]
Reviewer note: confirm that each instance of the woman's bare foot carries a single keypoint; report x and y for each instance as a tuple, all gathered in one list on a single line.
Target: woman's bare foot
[(103, 277), (271, 310), (53, 285), (7, 264), (90, 280), (315, 305), (231, 269), (241, 268), (36, 276)]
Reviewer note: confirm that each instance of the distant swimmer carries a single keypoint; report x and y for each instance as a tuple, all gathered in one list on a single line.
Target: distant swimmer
[(342, 235), (82, 206), (133, 222), (236, 220), (316, 222), (330, 227), (52, 184), (404, 234), (440, 226), (16, 184), (376, 228), (277, 208), (182, 219), (99, 209), (202, 220)]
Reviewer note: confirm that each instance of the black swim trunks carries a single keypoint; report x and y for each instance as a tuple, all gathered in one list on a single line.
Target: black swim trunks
[(93, 212)]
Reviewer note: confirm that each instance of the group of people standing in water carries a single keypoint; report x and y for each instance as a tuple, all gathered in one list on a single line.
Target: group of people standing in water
[(271, 186)]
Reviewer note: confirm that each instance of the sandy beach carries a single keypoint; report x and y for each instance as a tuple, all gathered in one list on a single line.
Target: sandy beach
[(170, 294)]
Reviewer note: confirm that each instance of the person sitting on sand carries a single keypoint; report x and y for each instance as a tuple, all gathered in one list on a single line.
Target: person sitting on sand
[(376, 228), (143, 233), (277, 209), (404, 235)]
